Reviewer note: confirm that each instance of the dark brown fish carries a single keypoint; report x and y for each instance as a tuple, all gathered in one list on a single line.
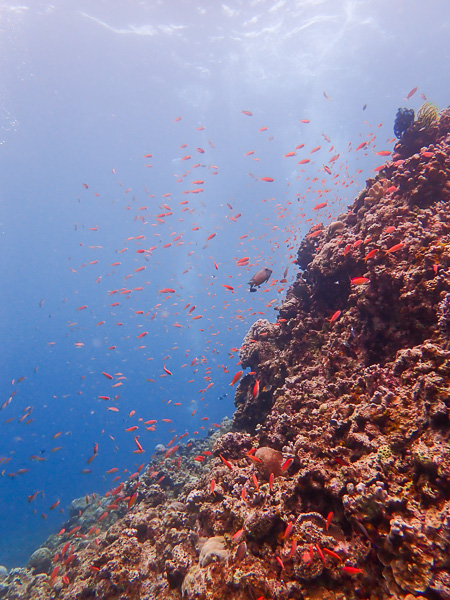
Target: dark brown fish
[(259, 278)]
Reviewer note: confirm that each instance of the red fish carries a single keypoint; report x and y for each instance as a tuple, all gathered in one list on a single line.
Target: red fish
[(352, 570), (328, 521), (335, 316), (287, 463), (237, 537), (289, 529), (132, 500), (359, 280), (411, 93), (236, 378), (268, 179), (371, 254), (394, 248), (226, 462)]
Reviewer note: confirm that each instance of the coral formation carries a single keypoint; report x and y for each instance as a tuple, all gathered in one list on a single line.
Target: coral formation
[(403, 119), (334, 481)]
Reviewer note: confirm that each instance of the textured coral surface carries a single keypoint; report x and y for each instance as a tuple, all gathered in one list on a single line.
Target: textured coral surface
[(334, 479)]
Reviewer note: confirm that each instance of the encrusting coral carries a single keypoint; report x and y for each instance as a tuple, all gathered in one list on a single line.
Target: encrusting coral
[(334, 480)]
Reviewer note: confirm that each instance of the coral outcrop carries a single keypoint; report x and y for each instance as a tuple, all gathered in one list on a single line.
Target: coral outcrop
[(334, 481)]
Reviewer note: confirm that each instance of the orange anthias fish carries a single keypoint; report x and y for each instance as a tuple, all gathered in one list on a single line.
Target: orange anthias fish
[(411, 93), (236, 378)]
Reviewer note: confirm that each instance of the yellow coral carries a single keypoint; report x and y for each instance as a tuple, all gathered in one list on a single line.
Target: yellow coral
[(428, 115)]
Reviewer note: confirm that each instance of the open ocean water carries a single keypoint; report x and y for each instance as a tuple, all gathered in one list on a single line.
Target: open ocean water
[(153, 157)]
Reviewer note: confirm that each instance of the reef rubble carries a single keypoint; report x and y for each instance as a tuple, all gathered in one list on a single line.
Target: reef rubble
[(333, 481)]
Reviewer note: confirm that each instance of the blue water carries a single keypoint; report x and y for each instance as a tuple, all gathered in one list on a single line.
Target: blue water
[(89, 89)]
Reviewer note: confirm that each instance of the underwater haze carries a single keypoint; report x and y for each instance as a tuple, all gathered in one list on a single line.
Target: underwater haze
[(154, 155)]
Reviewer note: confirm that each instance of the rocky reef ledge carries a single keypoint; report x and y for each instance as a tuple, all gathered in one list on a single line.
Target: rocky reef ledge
[(333, 481)]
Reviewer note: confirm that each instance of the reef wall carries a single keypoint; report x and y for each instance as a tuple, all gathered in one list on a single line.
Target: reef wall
[(334, 479)]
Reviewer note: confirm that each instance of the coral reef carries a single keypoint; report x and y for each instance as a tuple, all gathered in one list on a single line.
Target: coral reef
[(334, 481)]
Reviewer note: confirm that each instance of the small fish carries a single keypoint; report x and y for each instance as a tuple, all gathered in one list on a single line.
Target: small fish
[(321, 205), (328, 521), (352, 570), (54, 574), (359, 280), (255, 392), (333, 554), (212, 485), (287, 463), (411, 93), (259, 278), (247, 112), (289, 529), (271, 482), (167, 370), (237, 537), (335, 316), (226, 462), (293, 549), (267, 179), (394, 248), (371, 254), (140, 448), (319, 550)]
